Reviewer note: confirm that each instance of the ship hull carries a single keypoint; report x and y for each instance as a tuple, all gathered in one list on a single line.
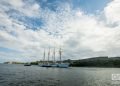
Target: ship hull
[(44, 65), (63, 65), (54, 65)]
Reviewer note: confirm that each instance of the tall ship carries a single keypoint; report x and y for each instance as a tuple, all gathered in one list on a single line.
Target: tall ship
[(54, 63)]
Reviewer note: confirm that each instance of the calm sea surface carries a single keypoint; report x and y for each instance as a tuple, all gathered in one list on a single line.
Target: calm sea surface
[(20, 75)]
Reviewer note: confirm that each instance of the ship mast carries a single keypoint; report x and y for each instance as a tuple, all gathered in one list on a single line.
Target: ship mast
[(48, 55), (54, 54), (44, 56), (60, 52)]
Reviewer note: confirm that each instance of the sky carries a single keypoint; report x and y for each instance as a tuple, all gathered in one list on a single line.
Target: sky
[(82, 28)]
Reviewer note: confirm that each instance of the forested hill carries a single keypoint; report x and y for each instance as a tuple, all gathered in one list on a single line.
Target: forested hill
[(98, 62)]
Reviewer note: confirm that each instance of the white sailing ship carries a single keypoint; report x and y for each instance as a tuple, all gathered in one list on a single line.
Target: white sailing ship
[(58, 64)]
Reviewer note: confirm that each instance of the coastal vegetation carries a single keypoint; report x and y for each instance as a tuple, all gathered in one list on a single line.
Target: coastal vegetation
[(89, 62), (97, 62), (13, 62)]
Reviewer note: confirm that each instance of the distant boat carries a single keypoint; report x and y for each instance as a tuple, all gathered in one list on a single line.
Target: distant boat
[(27, 64)]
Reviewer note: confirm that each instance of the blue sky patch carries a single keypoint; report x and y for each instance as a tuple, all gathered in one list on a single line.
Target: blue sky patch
[(8, 50)]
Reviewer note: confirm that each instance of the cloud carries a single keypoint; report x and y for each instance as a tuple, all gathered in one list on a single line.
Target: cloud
[(112, 12), (24, 7), (80, 35)]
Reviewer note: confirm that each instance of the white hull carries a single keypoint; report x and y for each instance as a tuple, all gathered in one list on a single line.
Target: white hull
[(63, 65), (54, 65), (45, 65)]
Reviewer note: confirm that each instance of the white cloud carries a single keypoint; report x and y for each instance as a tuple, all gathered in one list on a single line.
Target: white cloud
[(112, 11), (16, 3), (24, 7)]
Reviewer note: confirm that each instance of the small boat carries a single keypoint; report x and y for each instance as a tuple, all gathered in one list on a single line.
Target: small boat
[(27, 64)]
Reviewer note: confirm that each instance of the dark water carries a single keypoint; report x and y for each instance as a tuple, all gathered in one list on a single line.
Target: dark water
[(19, 75)]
